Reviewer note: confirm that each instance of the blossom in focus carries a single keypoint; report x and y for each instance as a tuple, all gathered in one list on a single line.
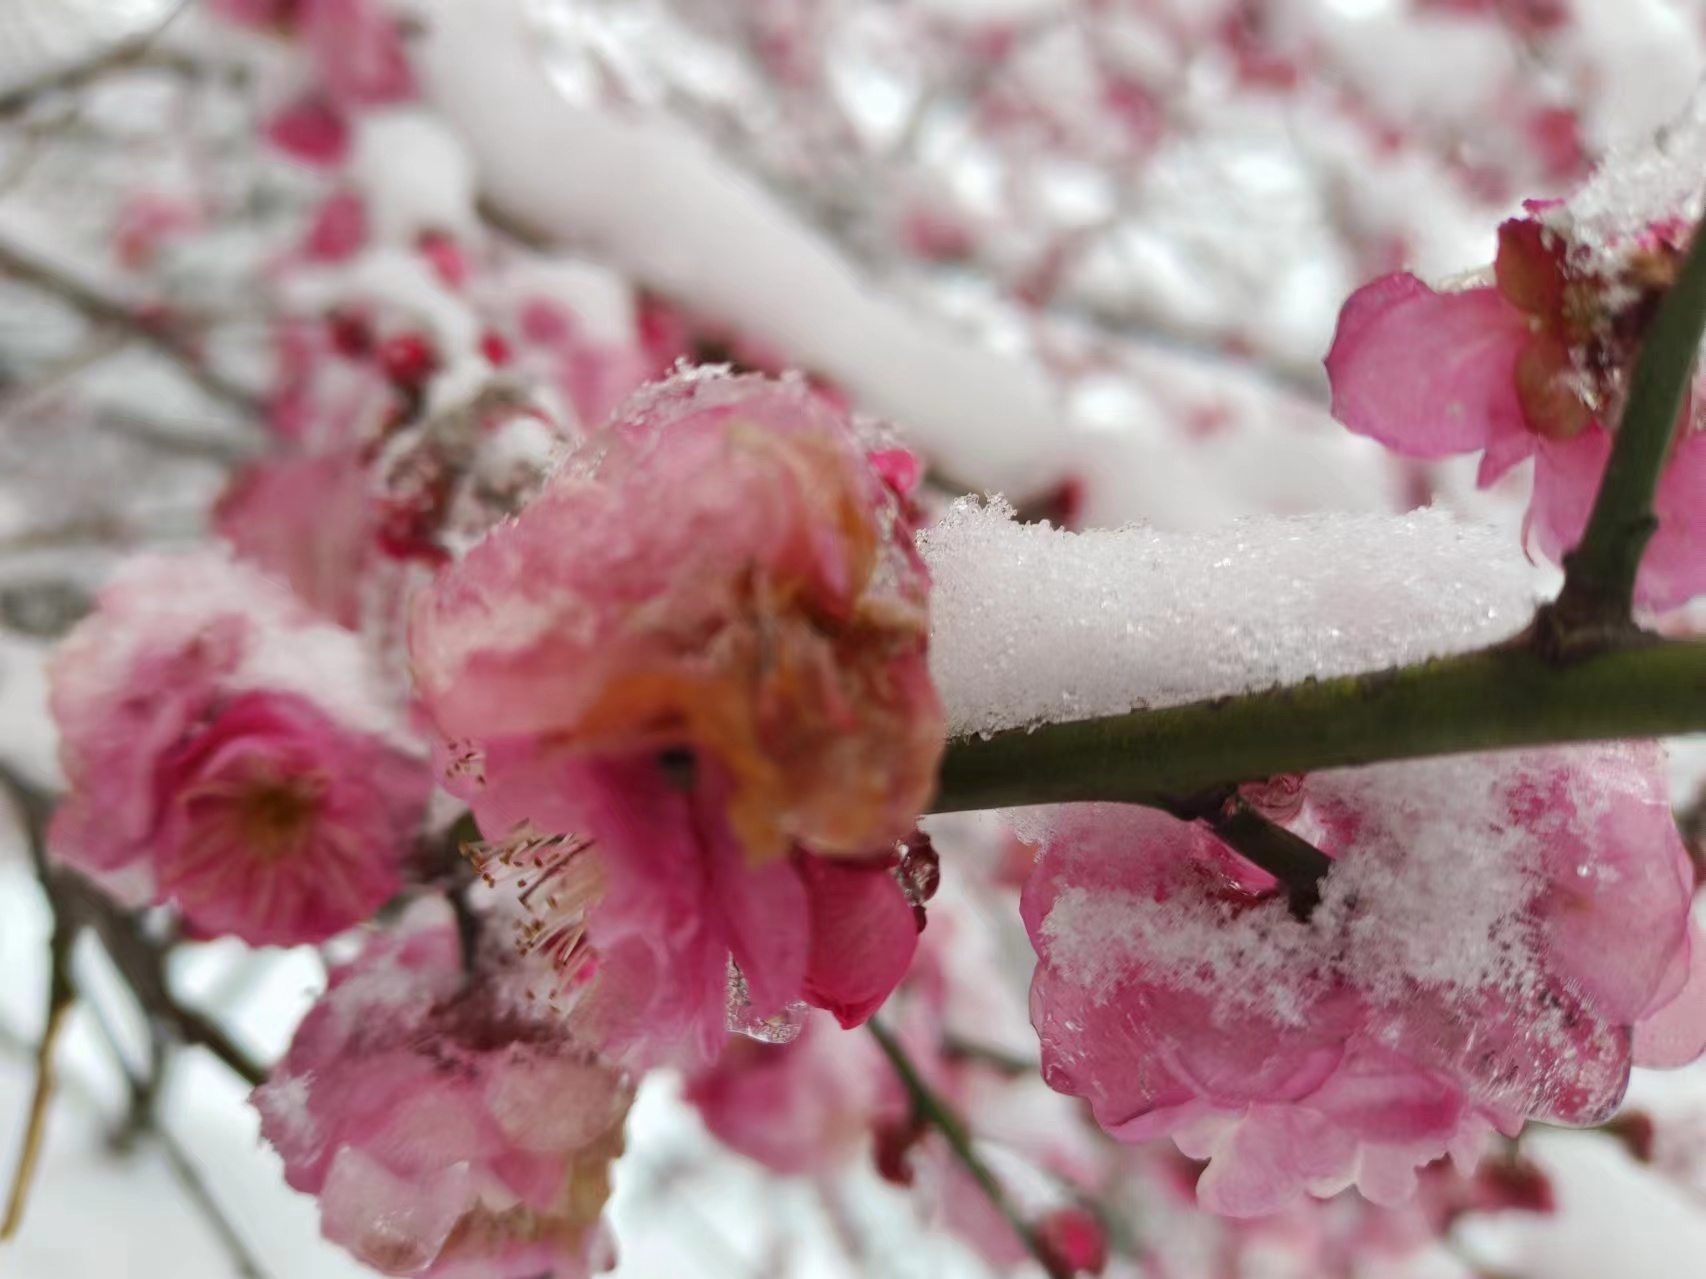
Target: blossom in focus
[(1498, 940), (640, 939), (702, 647), (1533, 364), (443, 1131), (226, 751)]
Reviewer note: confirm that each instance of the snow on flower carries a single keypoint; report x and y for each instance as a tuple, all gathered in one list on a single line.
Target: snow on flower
[(1493, 939), (227, 752), (444, 1131), (1535, 364), (702, 646)]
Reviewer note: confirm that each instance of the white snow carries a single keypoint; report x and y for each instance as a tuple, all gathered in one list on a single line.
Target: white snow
[(659, 204), (1031, 624)]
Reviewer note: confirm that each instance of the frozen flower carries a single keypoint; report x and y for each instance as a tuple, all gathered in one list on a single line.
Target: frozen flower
[(1533, 364), (1494, 936), (443, 1132), (702, 646), (225, 751), (640, 936)]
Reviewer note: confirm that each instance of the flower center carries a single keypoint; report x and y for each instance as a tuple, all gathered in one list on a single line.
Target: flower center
[(273, 817)]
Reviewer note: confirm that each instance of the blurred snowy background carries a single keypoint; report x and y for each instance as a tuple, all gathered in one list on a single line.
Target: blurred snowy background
[(1088, 252)]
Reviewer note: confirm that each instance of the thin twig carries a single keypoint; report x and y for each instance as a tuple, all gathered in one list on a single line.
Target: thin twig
[(142, 1121), (1599, 574), (60, 996), (1297, 864), (142, 964), (932, 1110), (108, 312), (116, 57), (139, 960), (196, 1189)]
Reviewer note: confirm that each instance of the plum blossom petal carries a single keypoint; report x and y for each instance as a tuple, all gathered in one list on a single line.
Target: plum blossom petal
[(309, 521), (741, 586), (1673, 1031), (802, 1107), (1429, 374), (863, 937)]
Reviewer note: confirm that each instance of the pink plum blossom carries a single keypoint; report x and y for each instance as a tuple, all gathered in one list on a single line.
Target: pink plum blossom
[(804, 1107), (307, 520), (1533, 364), (443, 1131), (1492, 938), (702, 647), (225, 752)]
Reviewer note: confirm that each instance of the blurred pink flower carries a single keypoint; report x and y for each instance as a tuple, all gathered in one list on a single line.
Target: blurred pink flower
[(225, 751), (444, 1132), (355, 44), (1533, 364), (1494, 935), (798, 1108), (306, 520)]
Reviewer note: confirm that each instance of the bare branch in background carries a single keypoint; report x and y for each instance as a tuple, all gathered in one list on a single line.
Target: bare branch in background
[(136, 51), (163, 335)]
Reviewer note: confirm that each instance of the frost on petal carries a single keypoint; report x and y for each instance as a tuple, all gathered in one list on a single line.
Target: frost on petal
[(1427, 374), (220, 739), (1492, 935), (443, 1131)]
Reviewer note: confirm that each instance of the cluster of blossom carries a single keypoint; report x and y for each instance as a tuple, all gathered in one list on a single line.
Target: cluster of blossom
[(1534, 363), (667, 641)]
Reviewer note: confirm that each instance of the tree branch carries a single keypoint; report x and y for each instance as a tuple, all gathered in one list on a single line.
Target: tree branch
[(932, 1110), (60, 996), (140, 960), (110, 313), (1493, 699), (1599, 574), (116, 57), (1297, 864)]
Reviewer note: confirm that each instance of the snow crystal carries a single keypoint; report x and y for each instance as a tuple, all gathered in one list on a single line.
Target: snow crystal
[(1635, 187), (1031, 624), (1434, 893)]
